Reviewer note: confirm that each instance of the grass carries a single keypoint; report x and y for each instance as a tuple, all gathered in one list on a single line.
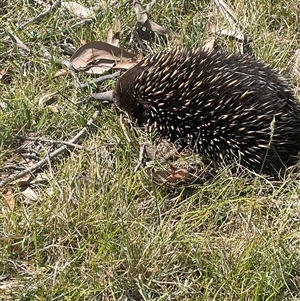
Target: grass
[(97, 230)]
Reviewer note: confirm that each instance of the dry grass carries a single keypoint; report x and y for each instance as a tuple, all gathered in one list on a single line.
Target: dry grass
[(97, 230)]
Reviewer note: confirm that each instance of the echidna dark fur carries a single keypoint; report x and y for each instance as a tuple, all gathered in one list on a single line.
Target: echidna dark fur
[(228, 107)]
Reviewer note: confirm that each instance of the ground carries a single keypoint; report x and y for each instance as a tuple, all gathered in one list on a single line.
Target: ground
[(86, 225)]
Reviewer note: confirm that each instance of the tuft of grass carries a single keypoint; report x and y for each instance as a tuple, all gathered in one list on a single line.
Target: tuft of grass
[(97, 230)]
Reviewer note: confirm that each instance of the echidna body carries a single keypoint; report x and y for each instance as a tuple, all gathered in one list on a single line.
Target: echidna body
[(230, 108)]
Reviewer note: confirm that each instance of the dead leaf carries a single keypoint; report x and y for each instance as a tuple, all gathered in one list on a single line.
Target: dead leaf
[(97, 57), (124, 65), (109, 36), (77, 9), (172, 175), (144, 21), (212, 27), (9, 198), (40, 177), (3, 73), (54, 109), (235, 33), (61, 72), (116, 39), (208, 45), (141, 13), (156, 27), (178, 174), (113, 39), (30, 194)]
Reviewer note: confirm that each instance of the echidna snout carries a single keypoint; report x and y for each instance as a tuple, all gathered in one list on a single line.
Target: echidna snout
[(227, 107)]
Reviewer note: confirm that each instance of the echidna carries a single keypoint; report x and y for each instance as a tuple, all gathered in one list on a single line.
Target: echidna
[(228, 107)]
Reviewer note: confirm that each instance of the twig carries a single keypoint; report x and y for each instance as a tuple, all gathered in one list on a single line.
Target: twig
[(53, 141), (141, 13), (45, 13), (68, 64), (235, 25), (226, 12), (149, 5), (230, 16), (100, 79), (50, 155), (103, 96), (83, 22)]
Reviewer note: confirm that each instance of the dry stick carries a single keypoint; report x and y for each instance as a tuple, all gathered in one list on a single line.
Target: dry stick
[(50, 155), (42, 15), (228, 14), (232, 20), (53, 141), (83, 22), (108, 96), (234, 23), (149, 5), (141, 13), (100, 79)]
